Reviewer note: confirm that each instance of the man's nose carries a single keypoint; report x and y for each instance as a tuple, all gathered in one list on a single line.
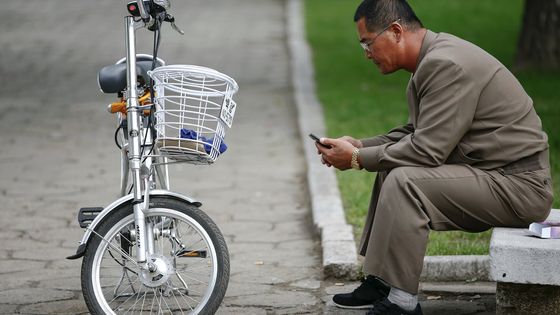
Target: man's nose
[(368, 54)]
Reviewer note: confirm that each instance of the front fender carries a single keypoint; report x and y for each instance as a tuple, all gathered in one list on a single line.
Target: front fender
[(116, 204)]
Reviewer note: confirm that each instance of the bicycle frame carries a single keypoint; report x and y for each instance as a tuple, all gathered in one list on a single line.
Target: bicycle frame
[(142, 181), (160, 245), (132, 154)]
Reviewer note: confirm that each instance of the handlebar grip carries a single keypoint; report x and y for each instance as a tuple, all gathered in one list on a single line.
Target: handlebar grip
[(121, 106), (114, 108), (117, 107)]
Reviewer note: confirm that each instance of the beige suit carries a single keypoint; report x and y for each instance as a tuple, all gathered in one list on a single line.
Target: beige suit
[(472, 156)]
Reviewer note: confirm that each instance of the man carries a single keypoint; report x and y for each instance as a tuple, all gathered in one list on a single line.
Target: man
[(472, 156)]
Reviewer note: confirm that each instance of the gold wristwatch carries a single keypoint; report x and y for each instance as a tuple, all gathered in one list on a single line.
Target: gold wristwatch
[(354, 162)]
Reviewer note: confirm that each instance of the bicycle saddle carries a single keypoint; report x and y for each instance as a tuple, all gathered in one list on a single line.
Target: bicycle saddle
[(112, 79)]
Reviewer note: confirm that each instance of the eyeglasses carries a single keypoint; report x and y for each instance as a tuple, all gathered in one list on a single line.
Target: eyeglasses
[(366, 45)]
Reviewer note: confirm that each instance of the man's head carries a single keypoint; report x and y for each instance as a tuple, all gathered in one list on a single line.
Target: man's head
[(385, 28), (380, 13)]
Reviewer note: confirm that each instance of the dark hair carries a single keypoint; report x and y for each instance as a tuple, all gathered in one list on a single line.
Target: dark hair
[(380, 13)]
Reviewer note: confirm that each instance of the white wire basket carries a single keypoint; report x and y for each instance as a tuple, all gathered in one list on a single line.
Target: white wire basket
[(193, 106)]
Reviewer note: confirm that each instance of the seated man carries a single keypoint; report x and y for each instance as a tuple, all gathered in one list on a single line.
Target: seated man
[(472, 156)]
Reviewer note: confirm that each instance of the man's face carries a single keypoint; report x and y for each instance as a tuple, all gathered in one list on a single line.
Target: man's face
[(380, 47)]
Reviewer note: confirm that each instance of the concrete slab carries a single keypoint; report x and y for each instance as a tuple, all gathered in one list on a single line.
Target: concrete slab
[(526, 270), (33, 295), (68, 307), (518, 257), (8, 309)]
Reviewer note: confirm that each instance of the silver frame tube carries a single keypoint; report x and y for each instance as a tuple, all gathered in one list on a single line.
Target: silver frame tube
[(135, 136)]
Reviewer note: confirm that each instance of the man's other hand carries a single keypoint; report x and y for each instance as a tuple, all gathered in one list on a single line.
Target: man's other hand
[(340, 153)]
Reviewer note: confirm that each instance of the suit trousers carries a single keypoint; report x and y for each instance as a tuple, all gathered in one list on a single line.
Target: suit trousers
[(409, 201)]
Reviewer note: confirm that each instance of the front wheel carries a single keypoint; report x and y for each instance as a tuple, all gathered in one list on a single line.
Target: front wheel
[(188, 257)]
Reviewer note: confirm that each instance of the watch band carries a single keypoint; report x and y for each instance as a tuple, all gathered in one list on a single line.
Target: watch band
[(354, 162)]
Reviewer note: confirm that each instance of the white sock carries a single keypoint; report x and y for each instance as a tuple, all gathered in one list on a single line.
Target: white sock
[(403, 299)]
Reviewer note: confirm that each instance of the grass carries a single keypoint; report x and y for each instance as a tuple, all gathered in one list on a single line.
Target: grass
[(359, 101)]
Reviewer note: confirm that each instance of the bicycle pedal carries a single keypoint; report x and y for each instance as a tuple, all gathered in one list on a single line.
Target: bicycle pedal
[(87, 215)]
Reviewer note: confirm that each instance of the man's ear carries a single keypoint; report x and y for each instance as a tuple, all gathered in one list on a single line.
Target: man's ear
[(397, 31)]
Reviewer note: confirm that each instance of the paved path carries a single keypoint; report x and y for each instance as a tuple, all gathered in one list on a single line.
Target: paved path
[(57, 152)]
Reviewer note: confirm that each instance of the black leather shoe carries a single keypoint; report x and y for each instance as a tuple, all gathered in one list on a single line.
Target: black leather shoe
[(371, 290), (385, 307)]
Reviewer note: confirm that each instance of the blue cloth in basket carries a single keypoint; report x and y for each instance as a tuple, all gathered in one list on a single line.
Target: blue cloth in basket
[(191, 134)]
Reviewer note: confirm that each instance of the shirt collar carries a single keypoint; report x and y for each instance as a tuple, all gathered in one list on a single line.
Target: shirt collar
[(426, 43)]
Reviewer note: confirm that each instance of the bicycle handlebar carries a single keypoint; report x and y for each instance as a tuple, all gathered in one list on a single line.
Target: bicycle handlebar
[(143, 12), (152, 13)]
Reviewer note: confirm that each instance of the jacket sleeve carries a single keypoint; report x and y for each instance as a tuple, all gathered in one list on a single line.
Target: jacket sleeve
[(394, 135), (447, 103)]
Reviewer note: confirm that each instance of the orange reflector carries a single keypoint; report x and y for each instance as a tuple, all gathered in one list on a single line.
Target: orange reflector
[(192, 253)]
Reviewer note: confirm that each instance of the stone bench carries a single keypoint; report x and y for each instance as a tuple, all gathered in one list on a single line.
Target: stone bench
[(527, 271)]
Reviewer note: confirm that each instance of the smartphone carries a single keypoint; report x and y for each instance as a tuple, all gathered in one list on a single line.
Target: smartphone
[(314, 137)]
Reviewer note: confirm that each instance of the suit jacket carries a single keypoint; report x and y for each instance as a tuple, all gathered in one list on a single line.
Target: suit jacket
[(464, 107)]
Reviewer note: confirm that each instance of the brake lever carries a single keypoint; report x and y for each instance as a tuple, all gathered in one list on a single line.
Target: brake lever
[(176, 28), (169, 18)]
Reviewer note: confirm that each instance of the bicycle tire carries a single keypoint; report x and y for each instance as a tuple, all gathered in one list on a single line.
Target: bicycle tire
[(164, 212)]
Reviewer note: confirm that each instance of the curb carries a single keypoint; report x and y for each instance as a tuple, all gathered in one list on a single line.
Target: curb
[(340, 258), (337, 240), (456, 268)]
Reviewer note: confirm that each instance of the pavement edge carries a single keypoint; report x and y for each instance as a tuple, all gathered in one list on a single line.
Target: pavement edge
[(340, 259)]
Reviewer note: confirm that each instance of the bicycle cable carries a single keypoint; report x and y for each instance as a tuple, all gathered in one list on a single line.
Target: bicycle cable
[(116, 136)]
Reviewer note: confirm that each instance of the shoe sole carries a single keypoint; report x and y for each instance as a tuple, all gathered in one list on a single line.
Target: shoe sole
[(360, 307)]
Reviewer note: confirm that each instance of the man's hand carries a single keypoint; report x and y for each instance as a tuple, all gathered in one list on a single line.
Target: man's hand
[(340, 153), (357, 143)]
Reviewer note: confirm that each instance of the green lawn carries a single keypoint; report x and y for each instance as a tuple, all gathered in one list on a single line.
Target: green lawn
[(359, 101)]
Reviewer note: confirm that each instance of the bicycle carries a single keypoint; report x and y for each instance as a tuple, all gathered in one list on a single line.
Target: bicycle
[(154, 250)]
